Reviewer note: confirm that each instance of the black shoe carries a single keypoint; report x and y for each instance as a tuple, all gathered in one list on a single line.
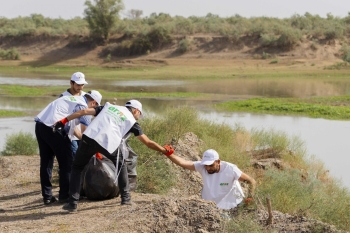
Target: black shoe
[(70, 207), (62, 201), (50, 201)]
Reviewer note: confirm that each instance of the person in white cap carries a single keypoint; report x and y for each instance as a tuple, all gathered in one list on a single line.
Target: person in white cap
[(220, 179), (57, 144), (107, 134), (77, 82)]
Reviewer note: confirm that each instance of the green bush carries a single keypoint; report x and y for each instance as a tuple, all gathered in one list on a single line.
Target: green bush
[(265, 55), (159, 36), (184, 45), (267, 39), (274, 61), (345, 50), (20, 144), (289, 37), (10, 54)]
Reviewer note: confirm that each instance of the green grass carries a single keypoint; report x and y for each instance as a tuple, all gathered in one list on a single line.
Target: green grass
[(20, 144), (320, 107), (181, 72), (292, 190), (10, 113), (23, 91)]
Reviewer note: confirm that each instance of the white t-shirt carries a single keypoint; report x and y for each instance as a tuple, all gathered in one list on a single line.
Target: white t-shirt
[(59, 109), (223, 187), (72, 136), (110, 125)]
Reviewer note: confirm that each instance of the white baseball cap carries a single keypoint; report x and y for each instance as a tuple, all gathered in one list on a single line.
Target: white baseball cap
[(209, 157), (95, 95), (135, 104), (78, 78)]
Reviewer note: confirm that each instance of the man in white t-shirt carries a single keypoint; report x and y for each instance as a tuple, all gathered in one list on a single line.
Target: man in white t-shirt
[(53, 144), (220, 179), (77, 82)]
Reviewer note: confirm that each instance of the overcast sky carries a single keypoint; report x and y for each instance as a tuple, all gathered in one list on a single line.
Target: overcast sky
[(68, 9)]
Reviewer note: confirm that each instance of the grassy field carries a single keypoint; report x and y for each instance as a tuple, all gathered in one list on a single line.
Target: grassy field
[(10, 113), (335, 108)]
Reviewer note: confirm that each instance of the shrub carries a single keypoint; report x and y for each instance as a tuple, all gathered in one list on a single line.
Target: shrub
[(274, 61), (289, 37), (345, 50), (267, 39), (11, 54), (108, 58), (265, 55), (159, 36), (184, 45), (20, 144)]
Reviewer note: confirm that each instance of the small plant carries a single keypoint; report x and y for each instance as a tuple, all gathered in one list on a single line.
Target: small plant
[(265, 55), (184, 45), (11, 54), (345, 50), (20, 144), (314, 46), (274, 61), (108, 58)]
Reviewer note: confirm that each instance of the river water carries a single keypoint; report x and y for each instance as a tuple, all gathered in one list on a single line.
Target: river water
[(327, 140)]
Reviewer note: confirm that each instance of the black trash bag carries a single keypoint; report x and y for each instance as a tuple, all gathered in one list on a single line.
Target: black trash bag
[(98, 179)]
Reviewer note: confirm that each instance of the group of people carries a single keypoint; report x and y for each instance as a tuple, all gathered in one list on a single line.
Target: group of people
[(65, 129)]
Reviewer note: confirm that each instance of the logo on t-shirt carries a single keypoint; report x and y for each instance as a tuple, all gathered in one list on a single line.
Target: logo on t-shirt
[(70, 98), (223, 184), (116, 114)]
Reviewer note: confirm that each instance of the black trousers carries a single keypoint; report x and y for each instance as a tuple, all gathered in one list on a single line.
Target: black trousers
[(50, 145), (87, 148)]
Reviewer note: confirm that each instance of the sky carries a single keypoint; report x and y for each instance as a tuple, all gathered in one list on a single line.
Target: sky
[(68, 9)]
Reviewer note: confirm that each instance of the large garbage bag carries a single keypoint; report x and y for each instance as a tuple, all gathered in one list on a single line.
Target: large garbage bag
[(98, 179)]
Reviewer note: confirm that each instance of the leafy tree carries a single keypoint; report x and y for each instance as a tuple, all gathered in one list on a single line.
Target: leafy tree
[(102, 16), (134, 14)]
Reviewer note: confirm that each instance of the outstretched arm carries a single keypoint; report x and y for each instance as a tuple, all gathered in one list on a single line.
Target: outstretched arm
[(151, 144), (251, 181), (77, 114), (182, 162), (61, 123)]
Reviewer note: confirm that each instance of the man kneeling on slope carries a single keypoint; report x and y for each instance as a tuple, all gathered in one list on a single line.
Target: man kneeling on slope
[(107, 134), (220, 179)]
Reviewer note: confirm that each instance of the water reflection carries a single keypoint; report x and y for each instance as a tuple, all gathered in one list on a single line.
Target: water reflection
[(33, 82), (290, 87)]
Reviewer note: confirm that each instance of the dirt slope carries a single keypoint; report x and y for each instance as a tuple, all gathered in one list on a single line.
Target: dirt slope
[(181, 210), (77, 52)]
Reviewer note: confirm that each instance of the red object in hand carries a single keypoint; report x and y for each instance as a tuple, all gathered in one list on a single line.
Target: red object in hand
[(60, 124), (64, 121), (248, 201), (170, 150), (98, 156)]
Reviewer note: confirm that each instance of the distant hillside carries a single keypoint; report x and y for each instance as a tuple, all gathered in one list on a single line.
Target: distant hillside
[(39, 50)]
